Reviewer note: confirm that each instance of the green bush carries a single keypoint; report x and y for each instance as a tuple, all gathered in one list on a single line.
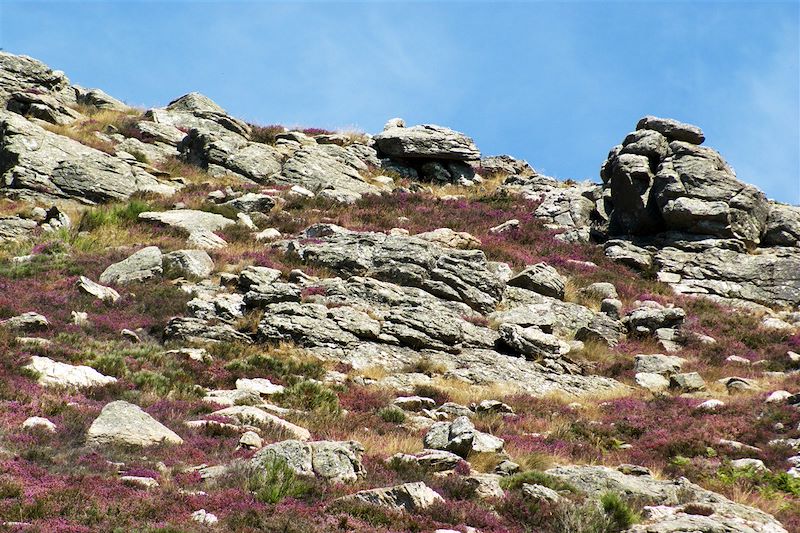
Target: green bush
[(392, 414), (274, 480), (113, 215), (311, 396), (535, 477), (619, 513)]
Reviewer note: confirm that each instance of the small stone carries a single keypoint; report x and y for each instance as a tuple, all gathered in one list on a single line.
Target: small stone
[(508, 225), (250, 440), (269, 234), (747, 464), (688, 382), (130, 336), (39, 422), (204, 517), (100, 292), (735, 359), (779, 396), (710, 405), (139, 481)]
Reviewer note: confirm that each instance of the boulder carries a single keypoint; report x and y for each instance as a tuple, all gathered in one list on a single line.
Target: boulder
[(783, 226), (338, 462), (193, 264), (15, 228), (687, 382), (672, 129), (461, 437), (427, 142), (658, 364), (100, 292), (427, 460), (54, 374), (125, 424), (450, 239), (29, 321), (541, 278), (409, 497), (247, 414), (188, 220), (47, 165), (142, 265), (660, 179), (724, 515)]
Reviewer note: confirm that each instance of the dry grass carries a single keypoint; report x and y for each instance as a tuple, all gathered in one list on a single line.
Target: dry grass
[(465, 394), (386, 445), (488, 187)]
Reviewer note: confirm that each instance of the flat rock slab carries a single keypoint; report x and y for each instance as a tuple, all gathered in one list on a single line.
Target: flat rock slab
[(123, 423), (189, 220)]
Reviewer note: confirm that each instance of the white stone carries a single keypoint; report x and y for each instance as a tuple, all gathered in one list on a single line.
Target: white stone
[(121, 422), (778, 396), (204, 517), (54, 374), (39, 422), (269, 234), (261, 386)]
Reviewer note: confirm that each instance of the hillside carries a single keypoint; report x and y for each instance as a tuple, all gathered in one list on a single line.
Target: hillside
[(212, 325)]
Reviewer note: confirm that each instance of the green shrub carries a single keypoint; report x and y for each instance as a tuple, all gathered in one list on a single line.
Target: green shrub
[(311, 396), (113, 215), (392, 414), (274, 480), (9, 489), (619, 513), (535, 477)]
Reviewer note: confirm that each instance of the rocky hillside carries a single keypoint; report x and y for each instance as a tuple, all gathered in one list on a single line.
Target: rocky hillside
[(212, 325)]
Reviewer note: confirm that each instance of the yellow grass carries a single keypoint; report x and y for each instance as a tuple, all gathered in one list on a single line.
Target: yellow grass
[(386, 445)]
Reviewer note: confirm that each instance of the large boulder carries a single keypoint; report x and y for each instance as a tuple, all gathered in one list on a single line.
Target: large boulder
[(125, 424), (141, 266), (43, 164), (783, 226), (410, 497), (338, 462), (188, 220), (674, 498), (461, 438), (54, 374), (23, 74), (456, 275), (660, 179), (427, 141)]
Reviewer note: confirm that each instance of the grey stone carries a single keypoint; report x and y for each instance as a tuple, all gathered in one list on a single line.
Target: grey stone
[(196, 264), (338, 462), (688, 382), (140, 266), (123, 423), (672, 129), (188, 220), (29, 321), (410, 497), (426, 141), (541, 278), (55, 374), (658, 364), (44, 163)]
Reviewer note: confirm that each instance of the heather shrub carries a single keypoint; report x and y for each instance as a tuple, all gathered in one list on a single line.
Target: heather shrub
[(9, 488), (265, 134)]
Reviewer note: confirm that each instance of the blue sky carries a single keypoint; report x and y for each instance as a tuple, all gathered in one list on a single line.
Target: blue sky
[(555, 83)]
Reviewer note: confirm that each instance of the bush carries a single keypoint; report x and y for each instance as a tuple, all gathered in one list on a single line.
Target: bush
[(265, 134), (619, 513), (535, 477), (113, 215), (274, 480), (392, 414), (311, 396)]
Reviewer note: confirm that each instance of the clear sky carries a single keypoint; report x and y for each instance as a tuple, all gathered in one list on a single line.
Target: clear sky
[(555, 83)]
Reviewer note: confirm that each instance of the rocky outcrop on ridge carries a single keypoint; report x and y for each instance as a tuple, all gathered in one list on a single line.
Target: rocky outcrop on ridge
[(345, 341)]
